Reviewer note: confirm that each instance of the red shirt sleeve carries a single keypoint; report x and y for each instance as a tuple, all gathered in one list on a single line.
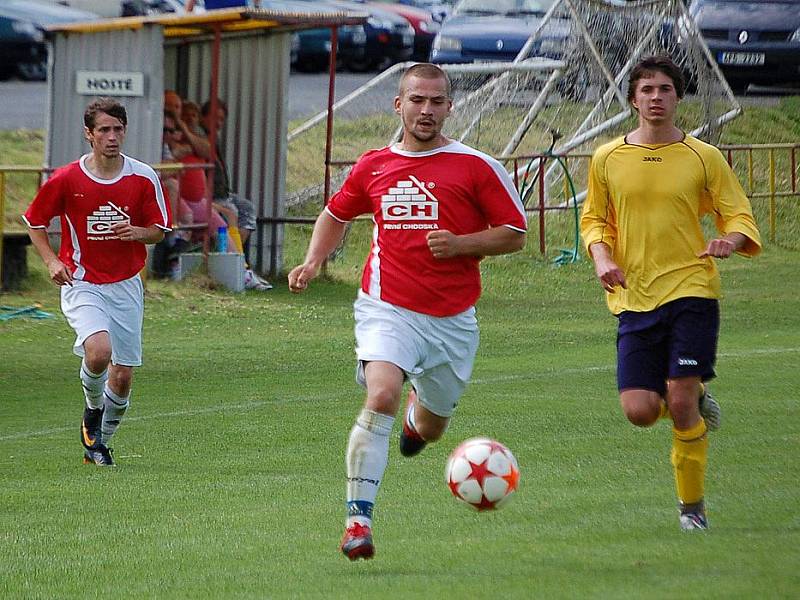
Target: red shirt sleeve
[(48, 203), (156, 208), (498, 198), (352, 199)]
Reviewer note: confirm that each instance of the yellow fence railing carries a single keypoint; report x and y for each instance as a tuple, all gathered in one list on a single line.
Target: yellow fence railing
[(766, 171)]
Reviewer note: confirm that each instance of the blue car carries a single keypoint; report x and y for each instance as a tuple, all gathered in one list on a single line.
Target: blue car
[(752, 41), (495, 31)]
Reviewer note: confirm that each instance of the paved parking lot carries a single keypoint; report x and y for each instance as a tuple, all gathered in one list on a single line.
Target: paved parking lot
[(24, 102)]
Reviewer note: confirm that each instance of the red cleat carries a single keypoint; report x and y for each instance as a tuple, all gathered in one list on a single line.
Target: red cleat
[(357, 542)]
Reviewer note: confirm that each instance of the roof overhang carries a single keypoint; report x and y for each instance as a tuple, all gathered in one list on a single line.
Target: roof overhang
[(229, 20)]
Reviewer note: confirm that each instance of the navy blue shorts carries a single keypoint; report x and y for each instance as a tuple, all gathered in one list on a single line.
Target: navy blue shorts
[(678, 339)]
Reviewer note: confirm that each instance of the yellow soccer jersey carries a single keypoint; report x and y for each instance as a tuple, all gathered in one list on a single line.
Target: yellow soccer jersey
[(646, 202)]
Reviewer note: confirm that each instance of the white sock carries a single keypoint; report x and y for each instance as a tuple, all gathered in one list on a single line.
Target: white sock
[(367, 456), (93, 384), (115, 407)]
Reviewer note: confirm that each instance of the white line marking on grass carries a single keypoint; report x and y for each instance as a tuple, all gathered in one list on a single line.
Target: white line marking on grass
[(176, 413), (481, 381), (611, 367)]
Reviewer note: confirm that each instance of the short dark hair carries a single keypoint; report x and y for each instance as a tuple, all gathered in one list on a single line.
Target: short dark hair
[(206, 108), (661, 63), (425, 71), (109, 106)]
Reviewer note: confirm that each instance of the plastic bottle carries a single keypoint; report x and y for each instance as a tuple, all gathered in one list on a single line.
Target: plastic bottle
[(222, 240)]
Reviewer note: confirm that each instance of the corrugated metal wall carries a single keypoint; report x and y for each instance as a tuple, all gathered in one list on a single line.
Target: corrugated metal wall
[(128, 50), (253, 82)]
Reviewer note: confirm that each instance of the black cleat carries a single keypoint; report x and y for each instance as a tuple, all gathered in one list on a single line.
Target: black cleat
[(90, 427), (411, 442), (99, 455)]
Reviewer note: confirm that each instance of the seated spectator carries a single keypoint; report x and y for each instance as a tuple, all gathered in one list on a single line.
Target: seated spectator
[(225, 199), (193, 139), (165, 254)]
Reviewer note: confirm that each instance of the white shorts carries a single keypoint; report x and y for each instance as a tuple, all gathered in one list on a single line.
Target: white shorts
[(436, 353), (117, 308)]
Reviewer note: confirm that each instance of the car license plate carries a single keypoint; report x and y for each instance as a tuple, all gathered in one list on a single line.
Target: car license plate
[(741, 59)]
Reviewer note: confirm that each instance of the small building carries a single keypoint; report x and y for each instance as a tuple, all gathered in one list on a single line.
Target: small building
[(239, 55)]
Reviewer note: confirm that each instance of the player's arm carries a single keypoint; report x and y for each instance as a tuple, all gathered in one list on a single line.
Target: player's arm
[(489, 242), (59, 273), (725, 246), (607, 271), (328, 234), (732, 212), (131, 233)]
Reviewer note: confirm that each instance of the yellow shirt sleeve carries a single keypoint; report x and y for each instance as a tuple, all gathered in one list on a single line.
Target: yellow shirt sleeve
[(598, 221), (728, 202)]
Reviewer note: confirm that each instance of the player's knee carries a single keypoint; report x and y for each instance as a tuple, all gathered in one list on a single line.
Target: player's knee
[(97, 352), (383, 399), (641, 408), (641, 418), (120, 380)]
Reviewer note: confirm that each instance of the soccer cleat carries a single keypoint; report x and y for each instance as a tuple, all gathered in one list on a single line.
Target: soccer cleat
[(710, 411), (693, 520), (411, 442), (357, 542), (90, 427), (99, 455)]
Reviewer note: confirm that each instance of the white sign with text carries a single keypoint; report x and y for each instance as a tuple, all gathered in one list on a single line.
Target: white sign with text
[(109, 83)]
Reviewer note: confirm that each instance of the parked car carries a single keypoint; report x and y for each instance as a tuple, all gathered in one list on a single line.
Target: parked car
[(22, 35), (752, 41), (314, 47), (438, 9), (107, 8), (390, 38), (496, 31), (425, 26)]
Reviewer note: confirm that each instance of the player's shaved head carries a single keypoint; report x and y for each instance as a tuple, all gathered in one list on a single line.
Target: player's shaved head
[(424, 71)]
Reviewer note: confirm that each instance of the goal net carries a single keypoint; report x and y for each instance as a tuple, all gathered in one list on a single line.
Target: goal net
[(565, 93)]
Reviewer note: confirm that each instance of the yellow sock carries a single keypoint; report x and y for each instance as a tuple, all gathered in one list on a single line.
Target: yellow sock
[(233, 232), (689, 457)]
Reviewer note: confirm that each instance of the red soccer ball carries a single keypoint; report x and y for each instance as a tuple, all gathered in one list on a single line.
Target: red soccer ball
[(482, 473)]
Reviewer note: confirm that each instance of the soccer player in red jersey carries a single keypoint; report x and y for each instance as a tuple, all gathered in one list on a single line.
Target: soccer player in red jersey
[(438, 207), (110, 206)]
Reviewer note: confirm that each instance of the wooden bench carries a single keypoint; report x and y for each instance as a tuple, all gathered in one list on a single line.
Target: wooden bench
[(15, 263)]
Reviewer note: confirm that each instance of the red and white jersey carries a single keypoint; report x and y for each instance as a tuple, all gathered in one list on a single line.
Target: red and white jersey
[(410, 194), (88, 206)]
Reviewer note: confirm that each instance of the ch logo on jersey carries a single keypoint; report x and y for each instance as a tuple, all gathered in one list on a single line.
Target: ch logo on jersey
[(410, 200), (100, 221), (652, 159)]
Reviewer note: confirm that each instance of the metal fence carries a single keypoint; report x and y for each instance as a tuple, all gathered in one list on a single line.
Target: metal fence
[(767, 171)]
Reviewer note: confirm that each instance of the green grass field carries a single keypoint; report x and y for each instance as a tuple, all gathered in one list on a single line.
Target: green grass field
[(230, 481)]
